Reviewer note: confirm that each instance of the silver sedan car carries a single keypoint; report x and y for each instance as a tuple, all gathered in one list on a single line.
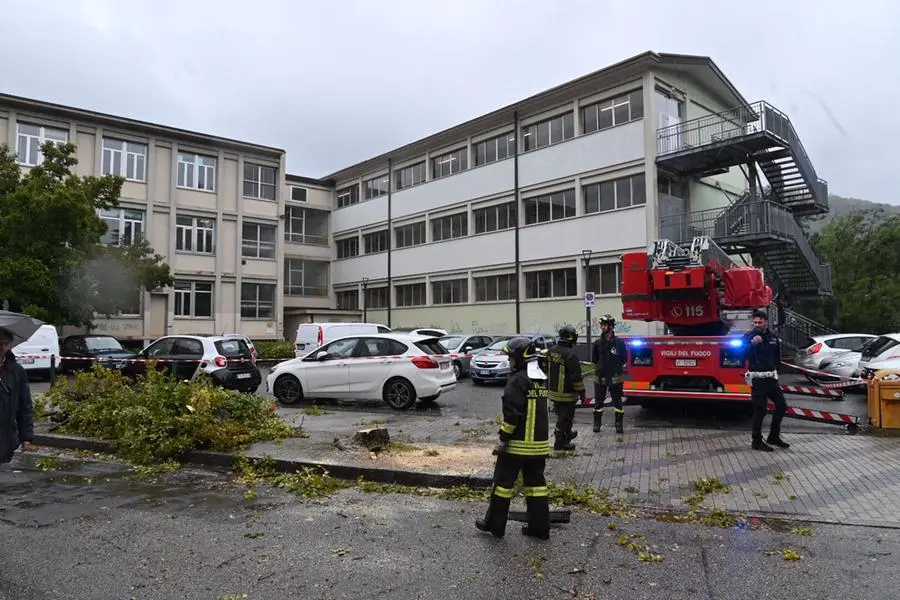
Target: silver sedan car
[(464, 344)]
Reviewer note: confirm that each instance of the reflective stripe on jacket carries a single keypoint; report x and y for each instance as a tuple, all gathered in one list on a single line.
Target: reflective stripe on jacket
[(526, 418), (565, 380)]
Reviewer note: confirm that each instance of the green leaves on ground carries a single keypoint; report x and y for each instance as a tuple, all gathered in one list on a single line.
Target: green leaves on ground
[(158, 418), (55, 266)]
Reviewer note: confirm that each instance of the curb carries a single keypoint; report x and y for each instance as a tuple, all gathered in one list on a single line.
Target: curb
[(225, 460)]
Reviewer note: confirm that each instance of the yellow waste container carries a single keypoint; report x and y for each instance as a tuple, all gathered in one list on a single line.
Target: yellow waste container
[(884, 399)]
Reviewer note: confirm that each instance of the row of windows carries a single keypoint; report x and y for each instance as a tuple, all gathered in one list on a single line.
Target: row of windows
[(598, 197), (129, 160), (550, 283), (559, 128), (194, 299)]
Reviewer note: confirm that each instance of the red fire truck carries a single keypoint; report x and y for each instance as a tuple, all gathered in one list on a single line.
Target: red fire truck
[(705, 301)]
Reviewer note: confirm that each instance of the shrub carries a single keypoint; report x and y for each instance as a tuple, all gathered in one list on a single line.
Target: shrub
[(158, 418), (279, 350)]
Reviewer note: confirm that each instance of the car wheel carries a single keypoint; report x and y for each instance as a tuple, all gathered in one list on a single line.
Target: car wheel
[(457, 370), (287, 390), (399, 394)]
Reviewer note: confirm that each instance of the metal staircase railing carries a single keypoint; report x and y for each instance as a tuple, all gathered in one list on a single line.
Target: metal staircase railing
[(797, 329)]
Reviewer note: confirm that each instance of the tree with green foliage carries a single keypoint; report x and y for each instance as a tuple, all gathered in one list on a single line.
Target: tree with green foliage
[(54, 265), (863, 249)]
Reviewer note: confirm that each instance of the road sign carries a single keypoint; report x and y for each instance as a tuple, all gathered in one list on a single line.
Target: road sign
[(589, 299)]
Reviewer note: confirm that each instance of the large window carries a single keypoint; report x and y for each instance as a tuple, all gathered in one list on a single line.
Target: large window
[(615, 194), (195, 234), (377, 186), (193, 299), (347, 196), (30, 138), (377, 241), (347, 299), (124, 226), (449, 163), (257, 300), (305, 277), (412, 294), (196, 172), (494, 149), (548, 132), (259, 181), (615, 111), (125, 159), (299, 194), (604, 278), (450, 227), (495, 218), (493, 288), (258, 241), (452, 291), (377, 297), (553, 283), (305, 226), (347, 247), (549, 207), (410, 235), (409, 176)]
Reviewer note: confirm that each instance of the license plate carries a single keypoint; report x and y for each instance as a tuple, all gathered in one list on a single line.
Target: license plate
[(243, 376), (686, 362), (26, 361), (484, 372)]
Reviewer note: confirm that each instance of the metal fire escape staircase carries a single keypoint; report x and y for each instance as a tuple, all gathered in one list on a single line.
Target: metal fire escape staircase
[(756, 137)]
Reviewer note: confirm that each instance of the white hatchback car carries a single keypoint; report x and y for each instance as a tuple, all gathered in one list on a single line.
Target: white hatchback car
[(396, 368)]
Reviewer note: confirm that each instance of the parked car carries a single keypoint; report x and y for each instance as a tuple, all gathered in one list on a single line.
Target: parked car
[(395, 368), (82, 352), (491, 365), (312, 335), (821, 347), (430, 331), (248, 341), (43, 343), (884, 347), (878, 365), (228, 361), (464, 344)]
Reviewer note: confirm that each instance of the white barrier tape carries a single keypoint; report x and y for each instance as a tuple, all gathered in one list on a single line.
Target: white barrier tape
[(848, 381), (392, 358)]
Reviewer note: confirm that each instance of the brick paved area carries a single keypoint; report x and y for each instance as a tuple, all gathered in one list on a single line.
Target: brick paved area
[(823, 476)]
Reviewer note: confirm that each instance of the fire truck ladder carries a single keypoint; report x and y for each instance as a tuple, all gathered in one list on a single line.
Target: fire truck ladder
[(703, 251)]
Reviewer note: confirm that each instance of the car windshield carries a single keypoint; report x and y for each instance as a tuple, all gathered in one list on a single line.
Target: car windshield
[(862, 347), (102, 344), (451, 341), (497, 346)]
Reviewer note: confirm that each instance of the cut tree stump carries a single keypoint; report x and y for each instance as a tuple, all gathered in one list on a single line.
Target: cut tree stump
[(375, 438)]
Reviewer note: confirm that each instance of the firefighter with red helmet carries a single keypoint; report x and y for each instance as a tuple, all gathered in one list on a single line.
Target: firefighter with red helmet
[(608, 355), (524, 445)]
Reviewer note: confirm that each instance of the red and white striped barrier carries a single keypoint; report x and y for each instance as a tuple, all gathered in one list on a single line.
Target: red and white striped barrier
[(821, 416), (397, 357), (812, 391)]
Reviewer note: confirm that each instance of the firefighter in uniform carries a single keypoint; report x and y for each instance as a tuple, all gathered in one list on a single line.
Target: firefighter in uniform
[(565, 386), (608, 355), (764, 355), (524, 445)]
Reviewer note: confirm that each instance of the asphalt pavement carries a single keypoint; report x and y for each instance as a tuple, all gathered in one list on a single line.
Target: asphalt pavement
[(93, 530)]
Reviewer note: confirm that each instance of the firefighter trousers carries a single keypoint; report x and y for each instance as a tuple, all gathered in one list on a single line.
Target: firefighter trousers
[(763, 390), (605, 384), (565, 416), (506, 471)]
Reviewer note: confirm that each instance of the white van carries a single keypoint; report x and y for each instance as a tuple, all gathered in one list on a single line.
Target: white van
[(312, 335), (44, 343)]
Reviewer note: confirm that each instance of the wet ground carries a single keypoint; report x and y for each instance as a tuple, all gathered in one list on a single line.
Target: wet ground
[(93, 530)]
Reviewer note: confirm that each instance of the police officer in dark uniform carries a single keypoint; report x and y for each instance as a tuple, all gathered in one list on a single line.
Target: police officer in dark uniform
[(608, 355), (524, 445), (565, 386), (764, 357)]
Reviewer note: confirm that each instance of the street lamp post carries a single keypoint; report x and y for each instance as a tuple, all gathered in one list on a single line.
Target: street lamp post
[(365, 282), (588, 300)]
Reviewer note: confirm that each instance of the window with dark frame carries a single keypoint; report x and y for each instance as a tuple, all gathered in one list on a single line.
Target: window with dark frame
[(377, 241), (347, 299), (449, 227), (411, 294), (611, 112), (549, 131), (450, 163), (376, 297), (495, 218), (615, 194), (412, 234), (549, 207), (409, 176), (450, 291), (348, 196), (605, 278), (495, 288), (552, 283), (347, 248), (377, 187), (496, 148)]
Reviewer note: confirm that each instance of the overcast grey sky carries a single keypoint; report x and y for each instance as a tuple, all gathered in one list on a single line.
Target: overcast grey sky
[(335, 82)]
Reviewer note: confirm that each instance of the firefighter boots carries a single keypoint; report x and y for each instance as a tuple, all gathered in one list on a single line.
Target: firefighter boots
[(598, 420), (494, 521), (562, 441), (620, 416), (538, 518)]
